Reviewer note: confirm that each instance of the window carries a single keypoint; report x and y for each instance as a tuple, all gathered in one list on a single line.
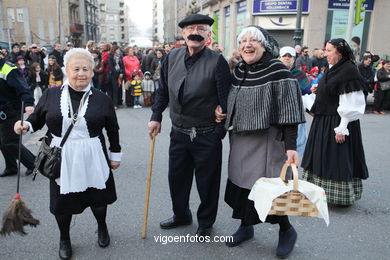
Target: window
[(11, 15), (19, 15)]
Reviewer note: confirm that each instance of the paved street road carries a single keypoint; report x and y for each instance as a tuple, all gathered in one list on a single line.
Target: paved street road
[(359, 232)]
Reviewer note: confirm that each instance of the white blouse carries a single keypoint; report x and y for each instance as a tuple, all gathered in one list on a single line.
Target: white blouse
[(351, 107)]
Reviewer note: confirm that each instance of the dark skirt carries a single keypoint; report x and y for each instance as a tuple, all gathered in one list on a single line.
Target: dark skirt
[(75, 203), (243, 208), (332, 161)]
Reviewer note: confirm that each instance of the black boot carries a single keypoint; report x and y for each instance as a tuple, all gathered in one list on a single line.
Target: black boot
[(103, 237), (65, 251), (242, 234), (286, 242)]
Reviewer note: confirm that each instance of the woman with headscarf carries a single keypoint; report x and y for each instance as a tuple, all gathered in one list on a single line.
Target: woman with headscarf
[(334, 155), (86, 179), (264, 110)]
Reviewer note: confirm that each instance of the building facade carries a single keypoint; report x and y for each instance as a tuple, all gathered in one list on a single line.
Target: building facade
[(91, 26), (69, 21), (321, 21), (174, 12), (113, 21), (22, 21), (158, 21)]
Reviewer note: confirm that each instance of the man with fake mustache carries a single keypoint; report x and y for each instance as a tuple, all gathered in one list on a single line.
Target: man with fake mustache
[(194, 81)]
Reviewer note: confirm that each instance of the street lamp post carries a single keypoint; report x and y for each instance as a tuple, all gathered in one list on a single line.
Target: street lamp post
[(298, 30)]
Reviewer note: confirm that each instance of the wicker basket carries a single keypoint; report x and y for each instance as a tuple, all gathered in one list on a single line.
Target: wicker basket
[(292, 203)]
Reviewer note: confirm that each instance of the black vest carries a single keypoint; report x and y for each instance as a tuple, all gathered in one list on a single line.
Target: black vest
[(196, 87)]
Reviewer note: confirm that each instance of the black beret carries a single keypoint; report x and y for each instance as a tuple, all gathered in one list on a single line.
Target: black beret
[(196, 19), (14, 45)]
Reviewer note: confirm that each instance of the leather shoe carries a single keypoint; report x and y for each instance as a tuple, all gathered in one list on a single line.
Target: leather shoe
[(242, 234), (286, 243), (103, 237), (29, 172), (7, 173), (173, 222), (65, 251), (202, 233)]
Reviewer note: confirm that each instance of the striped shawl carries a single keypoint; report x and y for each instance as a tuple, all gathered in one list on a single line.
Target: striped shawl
[(263, 94)]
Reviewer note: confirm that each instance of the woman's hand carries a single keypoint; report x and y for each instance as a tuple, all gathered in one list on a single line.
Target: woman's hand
[(340, 138), (18, 128), (219, 115), (114, 165), (292, 157), (313, 89)]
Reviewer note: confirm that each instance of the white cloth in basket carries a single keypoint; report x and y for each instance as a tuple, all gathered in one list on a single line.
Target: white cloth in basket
[(265, 190)]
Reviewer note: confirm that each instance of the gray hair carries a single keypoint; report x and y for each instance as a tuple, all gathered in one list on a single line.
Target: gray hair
[(255, 33), (80, 53)]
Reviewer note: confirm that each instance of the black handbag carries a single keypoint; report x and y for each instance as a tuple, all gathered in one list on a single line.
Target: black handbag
[(48, 160), (385, 85)]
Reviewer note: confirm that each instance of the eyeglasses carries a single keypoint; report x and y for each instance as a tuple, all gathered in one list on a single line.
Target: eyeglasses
[(251, 41), (200, 29)]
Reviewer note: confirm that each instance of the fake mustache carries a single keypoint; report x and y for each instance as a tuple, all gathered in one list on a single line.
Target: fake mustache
[(195, 37)]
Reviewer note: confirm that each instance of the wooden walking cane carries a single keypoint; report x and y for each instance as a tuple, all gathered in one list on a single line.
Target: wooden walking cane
[(17, 215), (148, 181)]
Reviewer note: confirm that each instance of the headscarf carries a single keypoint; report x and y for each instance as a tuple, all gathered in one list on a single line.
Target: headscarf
[(343, 48), (272, 45)]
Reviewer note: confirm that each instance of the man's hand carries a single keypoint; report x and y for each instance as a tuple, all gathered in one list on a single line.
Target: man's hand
[(292, 157), (219, 115), (154, 126), (114, 165), (340, 138), (29, 110), (18, 128)]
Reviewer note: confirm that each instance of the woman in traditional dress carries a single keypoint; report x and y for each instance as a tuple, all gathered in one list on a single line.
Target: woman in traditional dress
[(334, 155), (264, 110), (85, 178)]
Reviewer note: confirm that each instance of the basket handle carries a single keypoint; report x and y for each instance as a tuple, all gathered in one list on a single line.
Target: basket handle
[(295, 174)]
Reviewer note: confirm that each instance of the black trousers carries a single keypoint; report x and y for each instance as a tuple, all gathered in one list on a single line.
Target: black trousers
[(202, 156), (9, 142), (380, 96), (113, 90)]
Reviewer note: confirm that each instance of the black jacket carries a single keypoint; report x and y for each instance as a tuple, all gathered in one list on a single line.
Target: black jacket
[(32, 82), (368, 75), (113, 73), (13, 87)]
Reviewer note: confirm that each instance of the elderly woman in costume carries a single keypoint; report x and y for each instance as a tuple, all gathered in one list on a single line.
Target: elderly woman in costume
[(334, 155), (264, 110), (85, 178)]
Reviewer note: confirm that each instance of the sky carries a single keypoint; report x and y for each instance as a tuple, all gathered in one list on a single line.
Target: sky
[(141, 13)]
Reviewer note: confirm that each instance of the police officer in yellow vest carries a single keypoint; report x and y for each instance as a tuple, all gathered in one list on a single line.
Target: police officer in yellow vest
[(13, 90)]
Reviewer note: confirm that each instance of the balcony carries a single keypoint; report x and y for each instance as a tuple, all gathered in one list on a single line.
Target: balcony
[(74, 3), (76, 28), (209, 2)]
